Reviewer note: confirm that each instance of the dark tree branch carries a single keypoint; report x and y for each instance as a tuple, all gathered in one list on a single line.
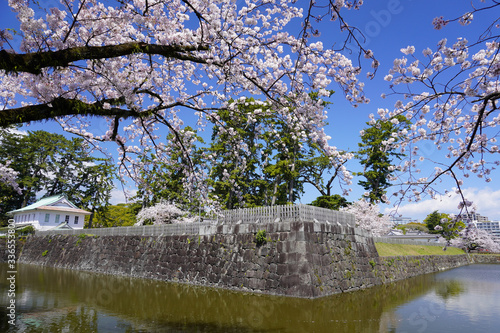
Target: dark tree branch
[(60, 107), (34, 62), (74, 22)]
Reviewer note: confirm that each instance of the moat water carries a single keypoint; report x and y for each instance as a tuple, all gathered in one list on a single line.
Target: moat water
[(465, 299)]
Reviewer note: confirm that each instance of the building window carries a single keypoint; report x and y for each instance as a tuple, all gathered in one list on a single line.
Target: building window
[(66, 219), (47, 217), (76, 219), (57, 218)]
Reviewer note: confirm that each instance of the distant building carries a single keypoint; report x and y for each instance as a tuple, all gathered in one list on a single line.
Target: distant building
[(401, 220), (472, 217), (55, 212)]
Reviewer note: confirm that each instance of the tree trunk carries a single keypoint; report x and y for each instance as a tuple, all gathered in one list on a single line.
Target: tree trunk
[(229, 204), (291, 185), (25, 198), (275, 190), (91, 219)]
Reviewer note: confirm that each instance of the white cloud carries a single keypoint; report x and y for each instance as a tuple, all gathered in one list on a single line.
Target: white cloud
[(17, 131), (119, 196), (486, 202)]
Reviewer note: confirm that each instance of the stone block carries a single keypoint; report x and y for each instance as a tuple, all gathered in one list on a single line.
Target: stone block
[(293, 268), (253, 228), (292, 257), (289, 281), (300, 236), (263, 251), (271, 284), (300, 247), (279, 246), (248, 255), (282, 269), (308, 227), (297, 226), (284, 227), (283, 258), (303, 269)]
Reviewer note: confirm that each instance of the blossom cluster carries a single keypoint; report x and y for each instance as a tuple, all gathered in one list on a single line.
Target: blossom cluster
[(8, 176), (162, 213), (368, 217)]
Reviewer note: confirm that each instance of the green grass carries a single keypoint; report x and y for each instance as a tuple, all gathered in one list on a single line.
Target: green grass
[(387, 250)]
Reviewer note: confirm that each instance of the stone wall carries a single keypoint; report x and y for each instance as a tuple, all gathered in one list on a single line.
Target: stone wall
[(299, 259), (485, 259)]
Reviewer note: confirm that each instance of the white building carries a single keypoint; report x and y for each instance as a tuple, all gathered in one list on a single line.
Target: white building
[(472, 217), (49, 213)]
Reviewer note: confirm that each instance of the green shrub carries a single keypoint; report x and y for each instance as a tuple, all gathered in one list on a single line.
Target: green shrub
[(80, 237), (260, 238), (25, 231)]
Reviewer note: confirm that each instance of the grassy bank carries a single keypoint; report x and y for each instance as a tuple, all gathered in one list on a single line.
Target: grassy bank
[(387, 250)]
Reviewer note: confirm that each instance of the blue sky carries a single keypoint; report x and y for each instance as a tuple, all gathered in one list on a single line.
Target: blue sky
[(388, 26)]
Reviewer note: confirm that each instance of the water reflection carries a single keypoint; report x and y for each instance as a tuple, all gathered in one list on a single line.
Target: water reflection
[(464, 299), (449, 289), (55, 300)]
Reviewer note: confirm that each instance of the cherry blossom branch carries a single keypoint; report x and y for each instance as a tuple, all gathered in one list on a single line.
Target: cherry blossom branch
[(74, 21)]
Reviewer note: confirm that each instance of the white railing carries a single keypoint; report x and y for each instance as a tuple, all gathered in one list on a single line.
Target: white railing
[(311, 213), (285, 213)]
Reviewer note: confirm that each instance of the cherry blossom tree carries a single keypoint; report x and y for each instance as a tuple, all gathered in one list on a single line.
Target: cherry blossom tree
[(162, 212), (368, 217), (473, 238), (145, 66), (450, 94), (8, 176)]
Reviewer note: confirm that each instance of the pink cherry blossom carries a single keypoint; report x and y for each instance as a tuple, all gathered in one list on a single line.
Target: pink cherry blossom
[(368, 217)]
